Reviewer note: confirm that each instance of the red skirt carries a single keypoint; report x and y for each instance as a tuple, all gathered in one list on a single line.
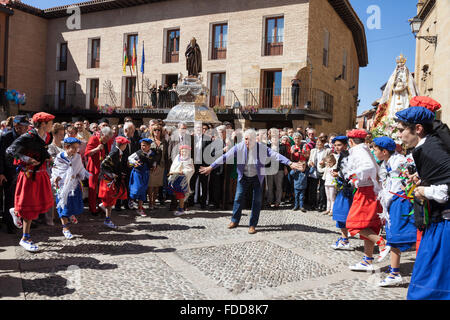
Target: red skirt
[(33, 197), (110, 195), (364, 212)]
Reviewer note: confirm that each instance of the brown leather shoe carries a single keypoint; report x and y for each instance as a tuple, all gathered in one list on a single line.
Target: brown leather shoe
[(232, 225), (251, 230)]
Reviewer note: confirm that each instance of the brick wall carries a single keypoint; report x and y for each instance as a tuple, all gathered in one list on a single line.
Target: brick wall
[(26, 57), (323, 17), (194, 18)]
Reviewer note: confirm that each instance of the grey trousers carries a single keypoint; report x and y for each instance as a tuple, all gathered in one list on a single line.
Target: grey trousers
[(275, 181)]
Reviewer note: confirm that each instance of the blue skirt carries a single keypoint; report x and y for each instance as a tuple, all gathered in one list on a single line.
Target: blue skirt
[(341, 207), (74, 205), (401, 233), (430, 278), (139, 183)]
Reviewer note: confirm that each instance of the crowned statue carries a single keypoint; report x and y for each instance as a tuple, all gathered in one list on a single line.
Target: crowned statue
[(400, 88)]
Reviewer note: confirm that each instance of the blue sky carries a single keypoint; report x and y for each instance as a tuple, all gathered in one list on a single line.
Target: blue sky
[(384, 44)]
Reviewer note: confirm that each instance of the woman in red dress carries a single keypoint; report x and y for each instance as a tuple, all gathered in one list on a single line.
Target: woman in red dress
[(33, 191), (96, 151)]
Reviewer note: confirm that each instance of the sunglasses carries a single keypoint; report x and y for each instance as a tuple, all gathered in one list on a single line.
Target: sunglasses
[(156, 129)]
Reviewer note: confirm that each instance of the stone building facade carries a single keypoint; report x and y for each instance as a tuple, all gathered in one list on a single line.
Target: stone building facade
[(251, 50), (432, 60)]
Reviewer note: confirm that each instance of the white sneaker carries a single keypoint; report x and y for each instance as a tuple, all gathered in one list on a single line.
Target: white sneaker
[(341, 245), (384, 253), (390, 280), (28, 245), (361, 266), (17, 221), (102, 207), (110, 224), (132, 205), (141, 213), (179, 213), (67, 234)]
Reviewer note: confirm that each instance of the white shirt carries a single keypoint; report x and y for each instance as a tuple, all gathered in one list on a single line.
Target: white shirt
[(363, 165)]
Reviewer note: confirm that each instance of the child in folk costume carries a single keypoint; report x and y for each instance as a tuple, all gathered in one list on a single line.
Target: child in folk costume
[(141, 161), (180, 175), (344, 192), (363, 215), (67, 174), (112, 183), (418, 128), (397, 208), (33, 190)]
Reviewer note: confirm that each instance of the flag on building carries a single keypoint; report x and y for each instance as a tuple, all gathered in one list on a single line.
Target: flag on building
[(125, 59), (143, 58), (134, 58)]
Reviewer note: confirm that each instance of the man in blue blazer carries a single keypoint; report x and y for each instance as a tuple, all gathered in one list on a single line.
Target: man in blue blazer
[(252, 158)]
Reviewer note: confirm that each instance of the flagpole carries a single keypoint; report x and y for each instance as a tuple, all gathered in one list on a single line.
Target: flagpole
[(137, 75), (143, 71)]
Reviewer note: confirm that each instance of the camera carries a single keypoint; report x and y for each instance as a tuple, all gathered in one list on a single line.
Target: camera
[(411, 169)]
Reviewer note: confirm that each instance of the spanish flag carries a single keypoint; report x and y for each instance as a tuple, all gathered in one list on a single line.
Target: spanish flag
[(134, 58), (125, 59)]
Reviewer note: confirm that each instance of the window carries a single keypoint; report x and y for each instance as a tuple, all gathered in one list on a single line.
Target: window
[(218, 85), (61, 94), (219, 41), (95, 53), (132, 42), (271, 92), (93, 93), (62, 59), (173, 45), (344, 66), (274, 36), (130, 92), (326, 42)]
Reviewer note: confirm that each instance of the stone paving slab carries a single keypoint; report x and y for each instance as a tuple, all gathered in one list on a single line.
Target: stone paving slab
[(252, 265), (354, 289), (193, 256), (139, 278)]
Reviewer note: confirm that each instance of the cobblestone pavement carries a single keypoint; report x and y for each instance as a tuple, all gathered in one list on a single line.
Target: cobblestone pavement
[(194, 257)]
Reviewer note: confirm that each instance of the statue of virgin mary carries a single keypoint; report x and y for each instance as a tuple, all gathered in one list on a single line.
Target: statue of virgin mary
[(400, 88)]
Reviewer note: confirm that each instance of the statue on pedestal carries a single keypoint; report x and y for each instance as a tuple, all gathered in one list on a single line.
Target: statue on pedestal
[(193, 58), (400, 88), (192, 93)]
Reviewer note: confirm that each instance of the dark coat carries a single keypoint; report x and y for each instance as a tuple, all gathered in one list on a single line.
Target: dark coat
[(7, 166)]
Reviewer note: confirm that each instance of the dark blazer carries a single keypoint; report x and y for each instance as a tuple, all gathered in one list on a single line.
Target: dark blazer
[(206, 141), (130, 149), (7, 167)]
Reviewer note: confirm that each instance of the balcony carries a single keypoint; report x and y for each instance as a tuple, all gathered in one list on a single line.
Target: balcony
[(218, 50), (170, 56), (273, 46), (107, 101), (316, 103)]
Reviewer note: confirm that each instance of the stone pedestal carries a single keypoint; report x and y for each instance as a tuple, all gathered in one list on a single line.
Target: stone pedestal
[(192, 107)]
